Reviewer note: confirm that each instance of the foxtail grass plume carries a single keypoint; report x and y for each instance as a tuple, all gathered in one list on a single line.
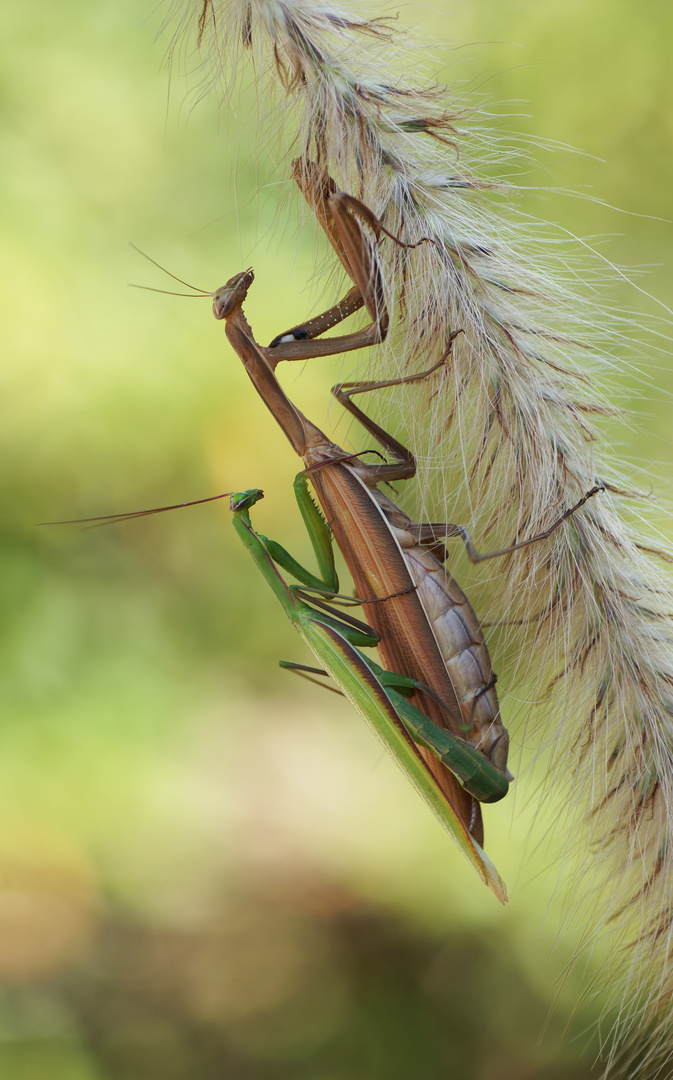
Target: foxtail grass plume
[(509, 424)]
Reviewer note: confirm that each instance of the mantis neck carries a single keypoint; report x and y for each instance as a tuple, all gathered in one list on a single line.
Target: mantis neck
[(307, 440)]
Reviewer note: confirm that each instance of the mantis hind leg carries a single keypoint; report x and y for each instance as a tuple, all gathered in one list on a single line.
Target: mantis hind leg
[(432, 535), (481, 776)]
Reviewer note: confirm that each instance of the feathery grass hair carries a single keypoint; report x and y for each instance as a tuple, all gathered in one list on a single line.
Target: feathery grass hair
[(509, 424)]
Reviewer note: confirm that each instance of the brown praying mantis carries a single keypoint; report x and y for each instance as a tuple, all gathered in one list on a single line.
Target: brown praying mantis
[(428, 631)]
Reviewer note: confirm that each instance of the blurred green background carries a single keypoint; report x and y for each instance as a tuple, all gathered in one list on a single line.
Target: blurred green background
[(207, 868)]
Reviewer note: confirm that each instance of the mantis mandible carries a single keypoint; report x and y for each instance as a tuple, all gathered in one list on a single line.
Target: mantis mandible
[(380, 696)]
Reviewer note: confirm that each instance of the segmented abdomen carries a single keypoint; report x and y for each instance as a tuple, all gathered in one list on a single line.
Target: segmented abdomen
[(462, 646)]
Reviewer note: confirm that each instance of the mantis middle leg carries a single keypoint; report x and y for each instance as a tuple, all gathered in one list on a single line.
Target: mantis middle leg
[(432, 534)]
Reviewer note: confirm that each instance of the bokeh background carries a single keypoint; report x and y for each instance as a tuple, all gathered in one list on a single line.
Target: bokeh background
[(208, 868)]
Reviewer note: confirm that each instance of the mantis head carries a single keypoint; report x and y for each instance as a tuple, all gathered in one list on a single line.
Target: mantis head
[(229, 297), (243, 500)]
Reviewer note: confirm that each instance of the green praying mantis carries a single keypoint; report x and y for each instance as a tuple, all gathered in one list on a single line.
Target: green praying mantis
[(427, 630), (380, 696)]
